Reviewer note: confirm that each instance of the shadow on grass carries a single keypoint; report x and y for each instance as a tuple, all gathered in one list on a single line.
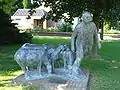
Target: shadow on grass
[(7, 64), (3, 84)]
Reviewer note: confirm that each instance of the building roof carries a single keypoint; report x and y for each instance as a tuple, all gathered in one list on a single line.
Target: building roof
[(25, 12)]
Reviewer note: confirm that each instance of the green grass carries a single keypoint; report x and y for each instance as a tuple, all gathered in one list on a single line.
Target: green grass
[(50, 40), (9, 69), (105, 73)]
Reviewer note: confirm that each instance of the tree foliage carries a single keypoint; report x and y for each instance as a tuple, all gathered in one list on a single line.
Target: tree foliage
[(26, 3), (9, 33), (103, 9), (18, 4), (7, 6)]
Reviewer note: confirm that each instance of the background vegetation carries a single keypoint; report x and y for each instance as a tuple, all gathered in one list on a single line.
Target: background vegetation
[(110, 29)]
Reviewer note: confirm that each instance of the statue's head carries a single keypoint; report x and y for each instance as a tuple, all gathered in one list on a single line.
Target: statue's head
[(86, 17)]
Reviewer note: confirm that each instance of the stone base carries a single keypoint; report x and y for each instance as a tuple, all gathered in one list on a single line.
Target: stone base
[(52, 83), (95, 57)]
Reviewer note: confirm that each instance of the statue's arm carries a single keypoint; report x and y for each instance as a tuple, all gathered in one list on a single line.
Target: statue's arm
[(73, 40), (97, 41)]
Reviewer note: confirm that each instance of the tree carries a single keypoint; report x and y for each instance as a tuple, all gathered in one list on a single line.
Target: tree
[(26, 3), (18, 4), (101, 9), (9, 33), (7, 5)]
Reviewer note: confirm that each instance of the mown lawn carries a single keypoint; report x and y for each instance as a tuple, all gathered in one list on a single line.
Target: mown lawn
[(105, 73)]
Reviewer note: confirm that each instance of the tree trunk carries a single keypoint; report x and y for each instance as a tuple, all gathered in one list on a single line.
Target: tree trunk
[(96, 20), (99, 24), (101, 32)]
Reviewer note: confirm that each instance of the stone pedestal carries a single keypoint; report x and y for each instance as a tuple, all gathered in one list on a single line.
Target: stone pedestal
[(55, 82), (51, 83)]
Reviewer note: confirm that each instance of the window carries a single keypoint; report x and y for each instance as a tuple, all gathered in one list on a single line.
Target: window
[(38, 23), (18, 19)]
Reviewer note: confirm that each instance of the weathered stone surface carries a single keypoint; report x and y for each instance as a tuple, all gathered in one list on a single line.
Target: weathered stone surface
[(85, 38), (52, 83), (31, 57)]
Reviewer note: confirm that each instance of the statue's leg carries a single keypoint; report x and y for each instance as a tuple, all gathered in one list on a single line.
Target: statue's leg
[(39, 67), (65, 62), (94, 49), (70, 62), (79, 57), (24, 68), (88, 54), (58, 62), (48, 65), (76, 63), (49, 68), (26, 72), (53, 67)]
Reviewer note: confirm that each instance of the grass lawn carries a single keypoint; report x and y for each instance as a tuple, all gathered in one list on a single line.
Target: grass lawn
[(105, 73)]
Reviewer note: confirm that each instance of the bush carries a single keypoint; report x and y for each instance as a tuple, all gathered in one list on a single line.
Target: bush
[(35, 30), (112, 32), (24, 38), (65, 27), (51, 30), (118, 25), (106, 27)]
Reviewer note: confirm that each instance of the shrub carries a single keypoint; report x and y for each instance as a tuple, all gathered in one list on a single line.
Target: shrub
[(36, 30), (24, 38), (52, 29), (65, 27), (107, 26), (118, 25), (112, 32)]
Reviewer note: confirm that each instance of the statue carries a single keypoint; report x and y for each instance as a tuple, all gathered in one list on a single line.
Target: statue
[(84, 37), (84, 40), (37, 62), (31, 57)]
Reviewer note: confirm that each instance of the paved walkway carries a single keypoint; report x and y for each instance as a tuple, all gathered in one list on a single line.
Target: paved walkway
[(111, 38), (105, 37)]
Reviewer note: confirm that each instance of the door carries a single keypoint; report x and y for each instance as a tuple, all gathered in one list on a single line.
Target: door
[(38, 23)]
